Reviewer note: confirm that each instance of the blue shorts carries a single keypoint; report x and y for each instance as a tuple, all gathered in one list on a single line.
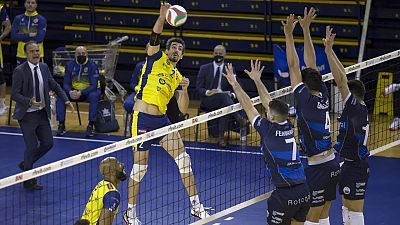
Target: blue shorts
[(143, 123), (322, 180), (289, 203), (354, 179)]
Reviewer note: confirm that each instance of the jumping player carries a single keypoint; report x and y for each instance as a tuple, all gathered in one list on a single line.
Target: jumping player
[(313, 121), (290, 202), (158, 82), (352, 139)]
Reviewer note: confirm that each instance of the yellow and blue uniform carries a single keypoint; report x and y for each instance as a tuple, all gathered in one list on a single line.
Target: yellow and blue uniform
[(104, 196), (24, 24), (85, 78), (157, 85)]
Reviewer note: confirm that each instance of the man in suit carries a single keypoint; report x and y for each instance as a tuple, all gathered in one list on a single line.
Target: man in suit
[(32, 82), (215, 91)]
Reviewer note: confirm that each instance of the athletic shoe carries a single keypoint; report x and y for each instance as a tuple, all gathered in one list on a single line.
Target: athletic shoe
[(199, 212), (395, 124), (89, 131), (292, 111), (131, 221), (61, 130)]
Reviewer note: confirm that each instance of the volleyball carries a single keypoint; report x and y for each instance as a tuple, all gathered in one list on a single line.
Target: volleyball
[(176, 15)]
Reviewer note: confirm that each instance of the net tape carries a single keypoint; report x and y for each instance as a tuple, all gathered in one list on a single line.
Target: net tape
[(104, 150)]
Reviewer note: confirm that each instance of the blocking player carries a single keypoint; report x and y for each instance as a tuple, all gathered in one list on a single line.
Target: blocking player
[(313, 121), (158, 82), (352, 139), (105, 198), (289, 203)]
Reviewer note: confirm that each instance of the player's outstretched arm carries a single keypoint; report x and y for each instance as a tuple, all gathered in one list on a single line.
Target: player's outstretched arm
[(255, 75), (242, 97), (309, 52), (291, 54), (154, 46), (337, 69)]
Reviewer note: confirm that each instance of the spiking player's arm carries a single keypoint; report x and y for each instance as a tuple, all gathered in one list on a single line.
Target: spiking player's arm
[(183, 96), (255, 75), (309, 52), (291, 54), (154, 46), (338, 71), (242, 97)]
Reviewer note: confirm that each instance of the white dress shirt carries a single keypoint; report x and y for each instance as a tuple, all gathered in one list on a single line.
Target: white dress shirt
[(41, 88)]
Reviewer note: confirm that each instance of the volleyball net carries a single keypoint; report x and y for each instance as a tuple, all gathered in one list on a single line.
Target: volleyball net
[(227, 179)]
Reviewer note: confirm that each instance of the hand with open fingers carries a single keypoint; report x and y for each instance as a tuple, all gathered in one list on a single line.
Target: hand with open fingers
[(309, 16), (164, 8), (230, 76), (329, 38), (185, 83), (256, 70), (70, 105), (290, 24)]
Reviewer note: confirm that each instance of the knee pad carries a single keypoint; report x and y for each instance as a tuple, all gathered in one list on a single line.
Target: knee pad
[(183, 162), (138, 171)]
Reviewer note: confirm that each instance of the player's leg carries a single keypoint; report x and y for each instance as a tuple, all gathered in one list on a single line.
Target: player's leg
[(352, 187), (324, 217), (173, 144), (303, 199), (314, 177), (139, 169)]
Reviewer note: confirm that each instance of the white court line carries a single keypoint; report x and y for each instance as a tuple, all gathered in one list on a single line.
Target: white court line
[(64, 138), (83, 112)]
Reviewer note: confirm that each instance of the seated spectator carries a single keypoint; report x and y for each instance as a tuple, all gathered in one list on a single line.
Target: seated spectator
[(215, 91), (81, 83)]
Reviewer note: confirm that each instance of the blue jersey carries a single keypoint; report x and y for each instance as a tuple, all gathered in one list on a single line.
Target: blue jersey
[(313, 121), (280, 151), (82, 77), (353, 131)]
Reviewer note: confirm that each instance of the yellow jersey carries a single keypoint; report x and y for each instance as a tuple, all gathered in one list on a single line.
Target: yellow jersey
[(158, 81), (104, 196)]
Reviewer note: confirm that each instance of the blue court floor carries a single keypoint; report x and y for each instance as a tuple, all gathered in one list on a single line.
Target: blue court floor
[(224, 179)]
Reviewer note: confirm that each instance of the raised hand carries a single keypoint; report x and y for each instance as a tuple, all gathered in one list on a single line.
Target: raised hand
[(289, 25), (256, 70), (230, 76), (308, 18), (329, 38), (164, 8)]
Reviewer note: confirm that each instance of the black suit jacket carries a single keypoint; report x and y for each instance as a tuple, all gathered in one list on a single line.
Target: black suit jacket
[(22, 88), (205, 79)]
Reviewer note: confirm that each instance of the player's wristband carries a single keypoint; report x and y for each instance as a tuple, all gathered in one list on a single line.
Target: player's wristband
[(154, 39)]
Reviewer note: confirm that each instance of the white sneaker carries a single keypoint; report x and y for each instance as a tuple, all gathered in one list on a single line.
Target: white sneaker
[(131, 221), (199, 212), (395, 124)]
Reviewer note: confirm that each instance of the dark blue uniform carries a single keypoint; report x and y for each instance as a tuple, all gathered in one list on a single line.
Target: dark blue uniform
[(313, 121), (352, 146), (291, 197)]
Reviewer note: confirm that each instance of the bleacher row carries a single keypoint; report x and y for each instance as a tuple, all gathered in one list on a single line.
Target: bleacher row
[(248, 29)]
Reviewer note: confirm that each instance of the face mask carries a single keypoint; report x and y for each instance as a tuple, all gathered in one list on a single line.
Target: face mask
[(218, 58), (122, 175), (81, 59)]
